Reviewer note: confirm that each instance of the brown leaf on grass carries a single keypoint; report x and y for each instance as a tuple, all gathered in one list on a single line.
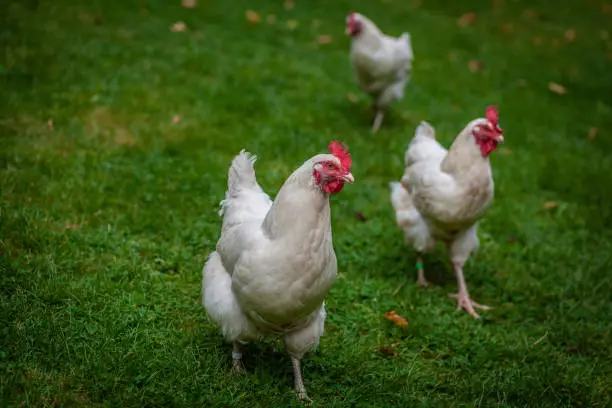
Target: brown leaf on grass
[(75, 226), (397, 319), (507, 28), (253, 17), (387, 351), (537, 41), (467, 19), (556, 88), (324, 39), (292, 24), (289, 5), (572, 349), (592, 133), (549, 205), (352, 98), (475, 65), (178, 26), (50, 124), (570, 35), (530, 15), (176, 119), (359, 215), (271, 19), (189, 4)]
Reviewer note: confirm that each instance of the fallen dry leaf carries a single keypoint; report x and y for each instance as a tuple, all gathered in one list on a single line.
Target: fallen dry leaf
[(292, 24), (529, 14), (388, 351), (550, 205), (352, 98), (537, 41), (475, 65), (556, 88), (507, 28), (253, 17), (271, 19), (289, 5), (572, 349), (75, 226), (570, 35), (324, 39), (397, 319), (467, 19), (178, 26), (592, 133), (176, 119), (189, 3), (360, 216), (50, 124)]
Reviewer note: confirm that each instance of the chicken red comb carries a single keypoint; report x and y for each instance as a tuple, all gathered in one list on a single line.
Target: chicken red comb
[(493, 117), (337, 149)]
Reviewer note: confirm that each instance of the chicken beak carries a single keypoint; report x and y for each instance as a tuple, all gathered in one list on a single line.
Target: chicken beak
[(499, 139), (348, 178)]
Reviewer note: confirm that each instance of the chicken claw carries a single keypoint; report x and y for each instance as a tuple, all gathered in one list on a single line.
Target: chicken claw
[(464, 302)]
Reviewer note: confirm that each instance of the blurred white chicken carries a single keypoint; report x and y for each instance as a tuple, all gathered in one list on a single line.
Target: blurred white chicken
[(443, 194), (383, 64), (275, 261)]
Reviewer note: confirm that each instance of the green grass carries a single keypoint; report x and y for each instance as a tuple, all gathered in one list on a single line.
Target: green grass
[(108, 313)]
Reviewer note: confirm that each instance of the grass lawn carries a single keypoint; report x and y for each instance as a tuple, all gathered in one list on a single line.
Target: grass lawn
[(116, 134)]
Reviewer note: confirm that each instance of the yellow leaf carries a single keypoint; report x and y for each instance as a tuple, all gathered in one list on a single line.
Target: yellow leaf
[(556, 88), (324, 39), (467, 19), (189, 3), (475, 65), (292, 24), (352, 98), (550, 205), (253, 17), (397, 319), (178, 26), (176, 119)]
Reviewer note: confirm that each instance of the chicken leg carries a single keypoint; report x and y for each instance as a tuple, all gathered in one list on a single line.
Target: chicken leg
[(421, 280), (300, 389), (463, 297), (378, 120), (237, 366)]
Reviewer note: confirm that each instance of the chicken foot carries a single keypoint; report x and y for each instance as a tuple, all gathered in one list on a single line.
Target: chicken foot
[(300, 389), (463, 297), (237, 366), (421, 280)]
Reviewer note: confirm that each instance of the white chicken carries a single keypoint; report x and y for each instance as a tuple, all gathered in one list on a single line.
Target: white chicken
[(383, 64), (443, 194), (275, 262)]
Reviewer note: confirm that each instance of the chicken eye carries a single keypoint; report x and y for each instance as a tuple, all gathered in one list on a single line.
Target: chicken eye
[(329, 165)]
